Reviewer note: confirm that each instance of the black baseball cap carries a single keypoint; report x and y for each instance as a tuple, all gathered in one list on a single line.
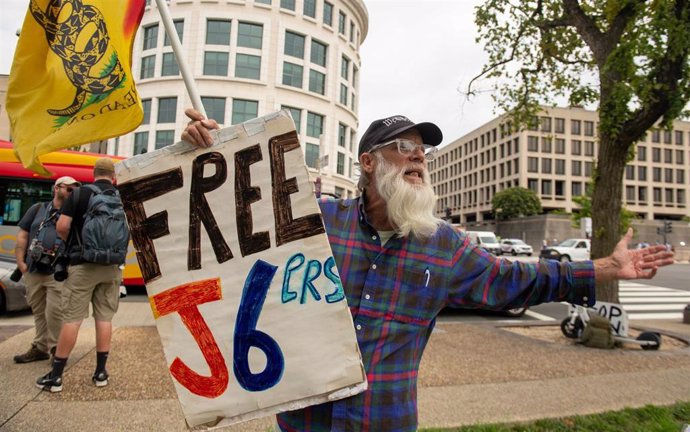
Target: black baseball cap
[(381, 130)]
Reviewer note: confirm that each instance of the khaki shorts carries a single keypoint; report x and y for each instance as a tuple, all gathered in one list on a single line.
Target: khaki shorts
[(91, 283)]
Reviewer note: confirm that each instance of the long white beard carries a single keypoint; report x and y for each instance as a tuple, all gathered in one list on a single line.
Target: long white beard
[(410, 206)]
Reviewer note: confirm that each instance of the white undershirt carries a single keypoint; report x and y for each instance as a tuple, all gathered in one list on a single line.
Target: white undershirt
[(385, 236)]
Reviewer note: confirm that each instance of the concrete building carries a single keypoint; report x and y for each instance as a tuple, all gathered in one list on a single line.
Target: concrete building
[(250, 58), (555, 159)]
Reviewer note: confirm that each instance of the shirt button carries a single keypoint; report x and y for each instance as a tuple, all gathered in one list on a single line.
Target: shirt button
[(367, 296), (359, 327), (584, 298), (373, 266), (373, 237)]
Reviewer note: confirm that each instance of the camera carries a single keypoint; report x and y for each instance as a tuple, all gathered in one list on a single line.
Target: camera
[(61, 263)]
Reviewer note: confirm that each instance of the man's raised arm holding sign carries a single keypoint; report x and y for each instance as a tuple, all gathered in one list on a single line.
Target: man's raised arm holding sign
[(400, 265)]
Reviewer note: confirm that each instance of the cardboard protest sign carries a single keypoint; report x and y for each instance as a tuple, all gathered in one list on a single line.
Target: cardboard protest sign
[(247, 298)]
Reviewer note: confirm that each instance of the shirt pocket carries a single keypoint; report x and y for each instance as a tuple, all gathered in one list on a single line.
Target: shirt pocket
[(420, 297)]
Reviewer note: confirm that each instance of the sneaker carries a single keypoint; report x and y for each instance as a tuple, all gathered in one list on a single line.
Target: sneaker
[(48, 383), (32, 355), (100, 379)]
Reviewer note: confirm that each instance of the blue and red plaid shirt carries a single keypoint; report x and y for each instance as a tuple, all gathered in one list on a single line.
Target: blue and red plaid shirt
[(395, 291)]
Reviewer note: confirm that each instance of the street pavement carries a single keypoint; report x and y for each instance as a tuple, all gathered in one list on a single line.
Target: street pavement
[(471, 373)]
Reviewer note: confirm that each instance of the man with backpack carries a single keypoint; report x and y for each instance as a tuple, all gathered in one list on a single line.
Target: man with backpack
[(37, 250), (95, 230)]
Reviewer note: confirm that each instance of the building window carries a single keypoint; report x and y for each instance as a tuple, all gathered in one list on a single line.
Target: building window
[(250, 35), (546, 166), (560, 188), (560, 166), (151, 36), (169, 66), (164, 138), (179, 29), (576, 168), (339, 192), (342, 133), (296, 116), (314, 124), (630, 194), (148, 64), (317, 82), (340, 167), (588, 168), (546, 124), (575, 127), (343, 94), (576, 147), (656, 154), (328, 14), (642, 194), (656, 136), (345, 68), (167, 108), (589, 148), (146, 105), (642, 173), (533, 185), (679, 157), (560, 146), (668, 156), (287, 4), (576, 189), (141, 143), (292, 74), (641, 153), (532, 143), (669, 196), (589, 128), (679, 137), (215, 108), (294, 44), (318, 52), (560, 125), (247, 66), (546, 145), (243, 110), (667, 137), (668, 175), (680, 197), (310, 8), (341, 22), (311, 155), (268, 2), (656, 174), (216, 63), (532, 164), (657, 195), (680, 176), (546, 187), (217, 32), (629, 172), (352, 31)]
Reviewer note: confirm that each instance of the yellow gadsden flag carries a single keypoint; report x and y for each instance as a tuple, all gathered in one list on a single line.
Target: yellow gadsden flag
[(71, 80)]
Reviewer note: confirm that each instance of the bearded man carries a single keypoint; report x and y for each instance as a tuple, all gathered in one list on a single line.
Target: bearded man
[(400, 266)]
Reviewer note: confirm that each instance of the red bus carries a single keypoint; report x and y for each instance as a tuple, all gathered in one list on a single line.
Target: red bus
[(21, 188)]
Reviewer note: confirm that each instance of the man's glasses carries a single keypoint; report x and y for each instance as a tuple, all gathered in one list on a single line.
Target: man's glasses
[(407, 147)]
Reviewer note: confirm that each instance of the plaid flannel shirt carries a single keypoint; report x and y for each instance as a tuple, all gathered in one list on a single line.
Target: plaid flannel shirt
[(395, 291)]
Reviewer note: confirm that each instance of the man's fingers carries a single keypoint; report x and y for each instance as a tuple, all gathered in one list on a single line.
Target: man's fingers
[(193, 114)]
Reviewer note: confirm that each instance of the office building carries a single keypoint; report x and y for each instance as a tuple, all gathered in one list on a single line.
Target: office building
[(250, 58), (555, 158)]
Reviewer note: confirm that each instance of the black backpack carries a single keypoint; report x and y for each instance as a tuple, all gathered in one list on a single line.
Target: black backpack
[(104, 235), (46, 246)]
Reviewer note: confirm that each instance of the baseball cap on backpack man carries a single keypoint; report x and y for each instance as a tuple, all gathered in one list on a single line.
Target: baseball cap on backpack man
[(379, 131)]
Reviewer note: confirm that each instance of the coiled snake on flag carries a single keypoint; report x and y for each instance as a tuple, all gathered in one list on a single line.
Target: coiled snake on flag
[(62, 38)]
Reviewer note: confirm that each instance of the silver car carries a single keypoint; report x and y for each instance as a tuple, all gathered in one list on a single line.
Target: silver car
[(12, 294), (515, 247)]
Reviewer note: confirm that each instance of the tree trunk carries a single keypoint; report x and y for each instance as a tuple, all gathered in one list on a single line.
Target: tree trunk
[(606, 207)]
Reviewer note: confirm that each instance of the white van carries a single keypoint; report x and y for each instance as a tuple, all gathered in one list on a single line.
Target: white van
[(486, 240)]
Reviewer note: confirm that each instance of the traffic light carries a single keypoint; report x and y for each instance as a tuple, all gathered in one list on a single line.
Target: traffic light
[(667, 227)]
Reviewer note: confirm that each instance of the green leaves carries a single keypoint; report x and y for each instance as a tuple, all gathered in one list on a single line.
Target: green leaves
[(515, 202)]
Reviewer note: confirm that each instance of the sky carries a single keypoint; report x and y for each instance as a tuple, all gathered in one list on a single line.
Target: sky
[(417, 56)]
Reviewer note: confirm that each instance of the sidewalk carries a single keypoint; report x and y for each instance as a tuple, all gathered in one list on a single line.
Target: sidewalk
[(471, 373)]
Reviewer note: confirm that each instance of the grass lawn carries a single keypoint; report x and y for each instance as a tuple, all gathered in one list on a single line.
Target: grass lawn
[(647, 419)]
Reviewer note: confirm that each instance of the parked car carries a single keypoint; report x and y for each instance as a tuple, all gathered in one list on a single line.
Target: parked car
[(515, 247), (12, 294), (569, 250), (486, 240)]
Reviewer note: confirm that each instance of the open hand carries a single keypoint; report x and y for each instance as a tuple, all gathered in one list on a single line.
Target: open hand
[(627, 263)]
